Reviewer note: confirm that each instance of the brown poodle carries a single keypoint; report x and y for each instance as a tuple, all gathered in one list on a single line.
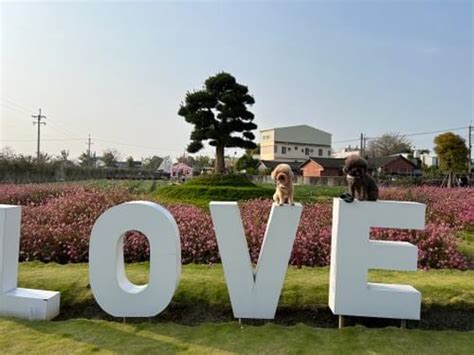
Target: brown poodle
[(283, 177), (359, 180)]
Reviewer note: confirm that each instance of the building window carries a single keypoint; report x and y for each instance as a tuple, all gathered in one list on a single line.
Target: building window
[(302, 150), (306, 151), (320, 152), (283, 150), (275, 150), (296, 148), (311, 150), (329, 152), (289, 149)]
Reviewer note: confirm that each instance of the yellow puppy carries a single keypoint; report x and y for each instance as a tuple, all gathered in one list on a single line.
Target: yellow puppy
[(283, 177)]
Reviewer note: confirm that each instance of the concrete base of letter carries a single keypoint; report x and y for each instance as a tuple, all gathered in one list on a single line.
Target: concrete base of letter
[(19, 302), (30, 304)]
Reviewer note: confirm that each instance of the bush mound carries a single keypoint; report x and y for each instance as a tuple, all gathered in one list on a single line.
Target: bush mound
[(216, 187), (57, 220), (221, 180), (202, 195)]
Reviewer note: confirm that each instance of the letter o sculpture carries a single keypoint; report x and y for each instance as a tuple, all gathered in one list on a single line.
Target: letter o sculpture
[(110, 286)]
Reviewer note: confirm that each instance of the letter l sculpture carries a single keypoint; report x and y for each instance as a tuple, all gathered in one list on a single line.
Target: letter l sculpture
[(19, 302)]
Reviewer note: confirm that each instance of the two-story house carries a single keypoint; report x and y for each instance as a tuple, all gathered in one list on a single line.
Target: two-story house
[(294, 143)]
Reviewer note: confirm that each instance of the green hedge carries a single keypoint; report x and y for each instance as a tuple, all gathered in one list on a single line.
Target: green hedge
[(202, 195), (221, 180)]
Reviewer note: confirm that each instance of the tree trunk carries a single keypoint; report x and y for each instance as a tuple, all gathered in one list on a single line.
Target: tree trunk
[(220, 164)]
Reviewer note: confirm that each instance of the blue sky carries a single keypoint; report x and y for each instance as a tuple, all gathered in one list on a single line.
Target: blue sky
[(120, 70)]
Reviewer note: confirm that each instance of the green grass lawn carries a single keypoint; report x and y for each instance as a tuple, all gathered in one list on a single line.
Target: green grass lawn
[(136, 187), (92, 336), (203, 287), (199, 318), (466, 243), (201, 195), (202, 190)]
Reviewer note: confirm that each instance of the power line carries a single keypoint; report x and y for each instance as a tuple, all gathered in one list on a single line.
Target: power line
[(402, 134), (15, 105), (43, 140), (363, 138), (18, 107), (136, 145)]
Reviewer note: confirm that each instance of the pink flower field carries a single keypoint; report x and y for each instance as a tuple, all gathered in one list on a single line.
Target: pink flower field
[(57, 220)]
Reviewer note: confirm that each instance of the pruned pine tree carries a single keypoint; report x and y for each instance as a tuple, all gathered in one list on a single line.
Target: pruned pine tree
[(220, 115)]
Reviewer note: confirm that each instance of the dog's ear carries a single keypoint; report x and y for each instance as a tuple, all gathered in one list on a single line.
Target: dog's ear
[(274, 171)]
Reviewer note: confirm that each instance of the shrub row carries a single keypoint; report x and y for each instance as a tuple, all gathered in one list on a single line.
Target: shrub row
[(57, 220), (201, 195)]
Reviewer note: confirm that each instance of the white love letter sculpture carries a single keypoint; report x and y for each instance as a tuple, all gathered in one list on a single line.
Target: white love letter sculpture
[(19, 302), (255, 294), (109, 284), (353, 254)]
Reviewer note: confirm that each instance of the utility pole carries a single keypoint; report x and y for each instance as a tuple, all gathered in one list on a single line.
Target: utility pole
[(38, 122), (89, 143), (362, 141), (469, 163)]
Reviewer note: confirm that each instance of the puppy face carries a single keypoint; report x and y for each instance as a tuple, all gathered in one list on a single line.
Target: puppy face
[(355, 167), (355, 173), (282, 179), (282, 175)]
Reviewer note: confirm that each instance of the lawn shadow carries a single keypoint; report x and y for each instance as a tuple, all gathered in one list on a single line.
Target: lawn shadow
[(100, 335)]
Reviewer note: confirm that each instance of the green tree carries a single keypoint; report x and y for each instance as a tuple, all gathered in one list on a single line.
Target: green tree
[(202, 161), (186, 159), (7, 153), (86, 160), (130, 162), (255, 151), (388, 144), (220, 116), (64, 156), (452, 152), (247, 162), (63, 159), (152, 163), (110, 158)]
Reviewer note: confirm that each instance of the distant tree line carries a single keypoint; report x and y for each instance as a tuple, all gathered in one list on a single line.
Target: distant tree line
[(21, 168)]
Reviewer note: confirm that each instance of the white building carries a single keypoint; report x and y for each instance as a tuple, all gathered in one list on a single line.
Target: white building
[(166, 165), (294, 143), (427, 159), (345, 152)]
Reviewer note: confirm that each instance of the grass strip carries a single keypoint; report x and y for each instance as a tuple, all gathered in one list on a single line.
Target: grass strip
[(447, 295), (90, 336)]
